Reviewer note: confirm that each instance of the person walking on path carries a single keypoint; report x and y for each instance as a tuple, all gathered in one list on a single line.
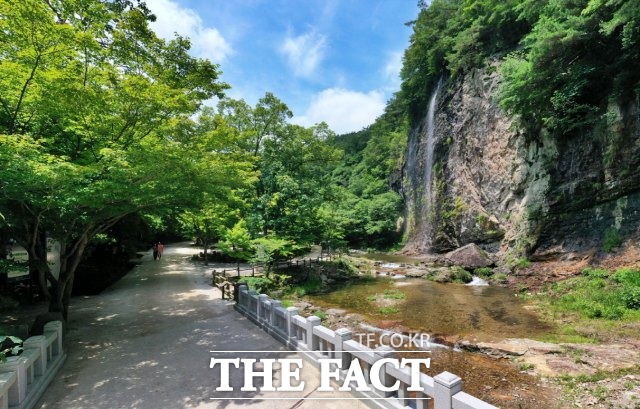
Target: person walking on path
[(160, 248), (155, 251)]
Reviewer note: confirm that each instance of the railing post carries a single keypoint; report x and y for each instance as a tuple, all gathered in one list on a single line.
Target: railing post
[(387, 380), (38, 342), (445, 385), (342, 335), (312, 340), (18, 392), (291, 312), (274, 304), (261, 299), (55, 326)]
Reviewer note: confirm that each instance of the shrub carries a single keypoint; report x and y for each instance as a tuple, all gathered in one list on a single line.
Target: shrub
[(595, 273), (627, 276), (500, 277), (10, 346), (631, 298), (312, 285), (483, 271), (523, 263), (460, 275), (611, 240), (320, 314)]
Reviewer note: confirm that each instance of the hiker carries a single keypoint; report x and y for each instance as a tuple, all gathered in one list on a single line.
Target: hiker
[(160, 248), (155, 251)]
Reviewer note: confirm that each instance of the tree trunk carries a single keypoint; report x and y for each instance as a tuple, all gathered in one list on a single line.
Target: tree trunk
[(4, 238), (69, 260)]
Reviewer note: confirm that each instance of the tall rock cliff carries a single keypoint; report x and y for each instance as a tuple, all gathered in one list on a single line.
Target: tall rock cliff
[(472, 175)]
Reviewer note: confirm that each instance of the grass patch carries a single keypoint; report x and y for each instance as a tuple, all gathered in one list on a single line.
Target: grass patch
[(388, 310), (567, 334), (596, 305), (393, 295), (525, 366), (597, 294), (484, 272), (312, 285), (320, 314)]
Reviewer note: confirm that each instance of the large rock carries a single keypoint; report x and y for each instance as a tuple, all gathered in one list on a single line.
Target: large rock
[(470, 256), (472, 174)]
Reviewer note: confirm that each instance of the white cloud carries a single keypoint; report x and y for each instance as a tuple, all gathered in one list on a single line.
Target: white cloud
[(207, 42), (343, 110), (304, 52), (392, 69)]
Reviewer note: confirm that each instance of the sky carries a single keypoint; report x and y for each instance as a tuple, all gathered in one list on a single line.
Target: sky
[(336, 61)]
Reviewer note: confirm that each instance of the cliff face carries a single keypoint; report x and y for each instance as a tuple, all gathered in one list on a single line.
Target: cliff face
[(471, 175)]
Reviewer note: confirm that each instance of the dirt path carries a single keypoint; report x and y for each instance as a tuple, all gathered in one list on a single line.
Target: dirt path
[(145, 342)]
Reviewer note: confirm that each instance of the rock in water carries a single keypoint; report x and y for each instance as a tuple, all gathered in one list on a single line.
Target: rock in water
[(470, 257)]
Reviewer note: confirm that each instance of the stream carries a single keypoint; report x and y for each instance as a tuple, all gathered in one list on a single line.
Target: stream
[(450, 312), (479, 313)]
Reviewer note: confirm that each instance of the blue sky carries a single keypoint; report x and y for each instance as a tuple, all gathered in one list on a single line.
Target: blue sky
[(329, 60)]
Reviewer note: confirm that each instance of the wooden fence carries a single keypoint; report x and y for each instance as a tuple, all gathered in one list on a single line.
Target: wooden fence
[(226, 279)]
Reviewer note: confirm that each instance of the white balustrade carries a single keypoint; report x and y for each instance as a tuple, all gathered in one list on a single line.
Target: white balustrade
[(316, 341), (23, 378)]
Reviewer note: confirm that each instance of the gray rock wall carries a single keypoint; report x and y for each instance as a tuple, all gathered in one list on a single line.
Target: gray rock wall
[(494, 185)]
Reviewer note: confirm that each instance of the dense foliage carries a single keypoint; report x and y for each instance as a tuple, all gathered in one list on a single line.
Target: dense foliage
[(564, 60), (368, 208)]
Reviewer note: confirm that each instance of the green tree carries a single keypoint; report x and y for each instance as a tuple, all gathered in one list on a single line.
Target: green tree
[(90, 99)]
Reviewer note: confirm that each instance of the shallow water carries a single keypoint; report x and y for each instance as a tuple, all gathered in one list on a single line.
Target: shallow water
[(390, 258), (481, 313), (484, 313)]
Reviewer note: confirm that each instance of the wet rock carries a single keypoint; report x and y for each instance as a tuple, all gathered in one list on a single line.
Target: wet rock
[(513, 347), (302, 305), (441, 275), (470, 256), (415, 272), (335, 311)]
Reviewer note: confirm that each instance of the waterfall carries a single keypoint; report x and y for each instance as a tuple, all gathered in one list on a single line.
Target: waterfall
[(429, 134)]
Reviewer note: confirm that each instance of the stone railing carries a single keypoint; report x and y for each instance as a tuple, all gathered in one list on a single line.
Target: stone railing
[(24, 378), (314, 341)]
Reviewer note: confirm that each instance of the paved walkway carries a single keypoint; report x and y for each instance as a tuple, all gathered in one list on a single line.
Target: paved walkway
[(145, 343)]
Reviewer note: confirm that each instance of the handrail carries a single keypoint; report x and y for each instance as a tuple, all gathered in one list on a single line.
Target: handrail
[(24, 378), (316, 341)]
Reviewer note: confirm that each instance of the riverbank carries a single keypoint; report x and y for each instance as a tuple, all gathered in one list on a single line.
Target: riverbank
[(577, 369)]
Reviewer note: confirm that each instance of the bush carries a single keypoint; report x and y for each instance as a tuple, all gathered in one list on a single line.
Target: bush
[(483, 272), (263, 284), (10, 346), (320, 314), (460, 275), (500, 277), (598, 294), (631, 298), (312, 285), (611, 240), (628, 276), (595, 273)]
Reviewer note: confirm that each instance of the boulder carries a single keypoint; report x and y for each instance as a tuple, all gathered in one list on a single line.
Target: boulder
[(415, 272), (470, 257)]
